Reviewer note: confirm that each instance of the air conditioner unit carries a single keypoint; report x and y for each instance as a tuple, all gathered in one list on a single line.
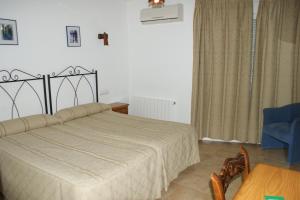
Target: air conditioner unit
[(169, 13)]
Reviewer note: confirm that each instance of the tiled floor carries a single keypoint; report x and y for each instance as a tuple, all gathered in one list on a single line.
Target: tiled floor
[(193, 183)]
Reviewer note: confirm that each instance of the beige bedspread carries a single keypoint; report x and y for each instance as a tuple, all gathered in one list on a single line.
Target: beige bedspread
[(176, 143), (101, 156), (52, 164)]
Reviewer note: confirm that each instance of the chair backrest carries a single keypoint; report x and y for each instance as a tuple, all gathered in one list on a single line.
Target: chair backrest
[(232, 168)]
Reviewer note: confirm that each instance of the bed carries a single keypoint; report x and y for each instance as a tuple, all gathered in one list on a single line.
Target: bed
[(88, 152)]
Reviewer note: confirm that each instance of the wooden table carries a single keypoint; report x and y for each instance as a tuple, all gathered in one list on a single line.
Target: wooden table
[(271, 181)]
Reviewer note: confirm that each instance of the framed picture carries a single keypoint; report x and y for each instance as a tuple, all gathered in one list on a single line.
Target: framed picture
[(73, 36), (8, 32)]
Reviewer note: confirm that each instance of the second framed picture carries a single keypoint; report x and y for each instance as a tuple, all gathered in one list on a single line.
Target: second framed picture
[(73, 36)]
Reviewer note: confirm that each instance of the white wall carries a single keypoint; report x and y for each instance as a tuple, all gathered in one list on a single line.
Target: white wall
[(142, 60), (160, 57), (255, 8), (42, 39)]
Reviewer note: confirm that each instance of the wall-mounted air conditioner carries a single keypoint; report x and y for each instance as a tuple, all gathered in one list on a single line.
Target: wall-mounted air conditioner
[(168, 13)]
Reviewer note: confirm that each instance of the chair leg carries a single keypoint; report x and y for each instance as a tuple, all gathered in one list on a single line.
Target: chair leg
[(269, 142), (293, 154)]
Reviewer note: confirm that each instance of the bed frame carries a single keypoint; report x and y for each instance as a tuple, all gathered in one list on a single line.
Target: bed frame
[(23, 78), (68, 75), (26, 79)]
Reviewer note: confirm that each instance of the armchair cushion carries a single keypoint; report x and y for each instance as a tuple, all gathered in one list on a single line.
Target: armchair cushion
[(280, 131)]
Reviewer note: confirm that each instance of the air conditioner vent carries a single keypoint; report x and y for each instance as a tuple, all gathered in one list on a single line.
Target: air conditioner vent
[(170, 13)]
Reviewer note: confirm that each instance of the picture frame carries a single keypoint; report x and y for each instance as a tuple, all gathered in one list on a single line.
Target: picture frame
[(8, 32), (73, 36)]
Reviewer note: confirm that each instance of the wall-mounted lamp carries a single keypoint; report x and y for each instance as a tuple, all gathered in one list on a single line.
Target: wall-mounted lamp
[(104, 37), (156, 3)]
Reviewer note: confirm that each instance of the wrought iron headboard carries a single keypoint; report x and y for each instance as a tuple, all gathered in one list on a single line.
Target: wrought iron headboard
[(24, 78), (65, 75)]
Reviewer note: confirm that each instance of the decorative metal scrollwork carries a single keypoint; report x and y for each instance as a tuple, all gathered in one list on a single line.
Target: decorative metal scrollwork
[(72, 70), (66, 76), (16, 75)]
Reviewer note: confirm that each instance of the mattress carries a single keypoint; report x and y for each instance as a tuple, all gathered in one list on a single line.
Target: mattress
[(94, 154)]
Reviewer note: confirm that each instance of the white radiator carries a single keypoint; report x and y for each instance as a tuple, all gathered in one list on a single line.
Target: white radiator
[(155, 108)]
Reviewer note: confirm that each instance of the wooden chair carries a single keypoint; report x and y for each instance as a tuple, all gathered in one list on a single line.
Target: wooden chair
[(232, 168)]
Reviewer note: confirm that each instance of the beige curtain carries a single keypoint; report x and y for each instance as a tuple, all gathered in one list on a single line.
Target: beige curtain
[(221, 72), (296, 72), (276, 71)]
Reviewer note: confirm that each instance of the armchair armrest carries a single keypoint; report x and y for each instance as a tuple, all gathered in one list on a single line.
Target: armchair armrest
[(273, 115)]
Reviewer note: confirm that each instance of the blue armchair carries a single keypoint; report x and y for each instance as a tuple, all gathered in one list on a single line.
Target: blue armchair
[(281, 129)]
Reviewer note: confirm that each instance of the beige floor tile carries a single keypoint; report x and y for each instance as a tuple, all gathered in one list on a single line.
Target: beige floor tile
[(184, 193), (195, 182)]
